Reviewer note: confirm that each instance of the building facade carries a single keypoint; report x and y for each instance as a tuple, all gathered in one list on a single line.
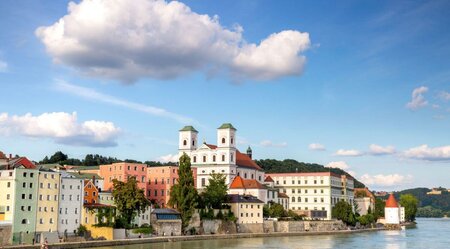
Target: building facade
[(364, 201), (70, 204), (47, 204), (222, 158), (246, 208), (315, 191), (160, 180), (122, 171)]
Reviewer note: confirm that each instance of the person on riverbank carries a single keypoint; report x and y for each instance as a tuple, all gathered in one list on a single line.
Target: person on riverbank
[(44, 244)]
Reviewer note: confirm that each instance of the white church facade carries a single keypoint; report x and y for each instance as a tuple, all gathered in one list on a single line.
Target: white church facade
[(222, 158)]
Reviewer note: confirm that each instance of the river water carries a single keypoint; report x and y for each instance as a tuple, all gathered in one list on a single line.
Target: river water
[(428, 234)]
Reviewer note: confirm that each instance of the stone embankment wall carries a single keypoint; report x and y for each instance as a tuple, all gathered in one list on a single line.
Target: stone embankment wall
[(5, 234), (218, 227)]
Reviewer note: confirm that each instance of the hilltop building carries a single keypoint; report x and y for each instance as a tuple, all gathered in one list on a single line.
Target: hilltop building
[(222, 158)]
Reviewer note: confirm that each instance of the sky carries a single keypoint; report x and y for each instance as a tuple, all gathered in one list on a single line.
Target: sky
[(359, 85)]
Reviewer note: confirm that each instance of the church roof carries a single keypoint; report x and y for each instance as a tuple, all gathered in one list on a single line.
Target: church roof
[(240, 183), (189, 128), (391, 202), (244, 160), (227, 126)]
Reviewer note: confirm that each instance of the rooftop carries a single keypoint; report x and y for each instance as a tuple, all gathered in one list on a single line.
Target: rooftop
[(189, 128), (242, 199), (240, 183), (227, 126), (391, 202)]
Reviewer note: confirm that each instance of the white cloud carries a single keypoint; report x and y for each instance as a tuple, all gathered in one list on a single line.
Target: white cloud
[(424, 152), (118, 40), (418, 100), (340, 165), (315, 146), (3, 66), (168, 158), (242, 141), (380, 150), (444, 95), (385, 180), (342, 152), (268, 143), (62, 127), (89, 93)]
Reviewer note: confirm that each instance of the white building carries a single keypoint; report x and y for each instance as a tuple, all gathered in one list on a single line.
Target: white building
[(393, 213), (314, 194), (222, 158), (70, 204)]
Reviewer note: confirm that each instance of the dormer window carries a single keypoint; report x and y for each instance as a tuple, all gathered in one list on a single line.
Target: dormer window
[(223, 140), (185, 142)]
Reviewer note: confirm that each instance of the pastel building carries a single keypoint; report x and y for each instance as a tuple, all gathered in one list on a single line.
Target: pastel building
[(252, 187), (160, 180), (47, 204), (70, 204), (393, 212), (122, 171), (222, 158), (90, 195), (246, 208), (314, 194), (18, 198), (364, 200)]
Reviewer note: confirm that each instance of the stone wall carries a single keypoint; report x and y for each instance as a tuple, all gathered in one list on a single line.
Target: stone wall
[(5, 234), (269, 226), (251, 228), (167, 228), (303, 226), (218, 227)]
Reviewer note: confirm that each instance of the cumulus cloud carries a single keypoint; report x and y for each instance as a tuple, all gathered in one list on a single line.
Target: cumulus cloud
[(315, 146), (3, 66), (269, 143), (342, 152), (379, 150), (417, 100), (62, 127), (424, 152), (89, 93), (157, 39), (168, 158), (385, 180), (340, 165)]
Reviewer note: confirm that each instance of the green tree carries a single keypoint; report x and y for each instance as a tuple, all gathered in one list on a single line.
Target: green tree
[(129, 199), (183, 195), (276, 210), (216, 192), (410, 203), (379, 208), (343, 211)]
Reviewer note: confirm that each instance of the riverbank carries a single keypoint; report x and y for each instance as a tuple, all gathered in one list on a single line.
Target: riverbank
[(101, 243)]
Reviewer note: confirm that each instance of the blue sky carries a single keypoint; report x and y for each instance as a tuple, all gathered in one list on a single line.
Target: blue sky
[(338, 75)]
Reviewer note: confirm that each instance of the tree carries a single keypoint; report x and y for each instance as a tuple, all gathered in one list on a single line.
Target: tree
[(216, 192), (276, 210), (343, 211), (379, 208), (410, 203), (183, 194), (129, 199)]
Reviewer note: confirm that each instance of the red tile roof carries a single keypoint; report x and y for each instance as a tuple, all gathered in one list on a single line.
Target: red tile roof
[(211, 146), (282, 195), (244, 160), (240, 183), (391, 202), (268, 179)]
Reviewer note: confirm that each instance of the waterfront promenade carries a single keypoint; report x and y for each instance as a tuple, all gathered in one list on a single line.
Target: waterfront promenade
[(104, 243)]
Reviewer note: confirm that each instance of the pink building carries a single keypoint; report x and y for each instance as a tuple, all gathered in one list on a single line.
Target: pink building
[(122, 171), (160, 180)]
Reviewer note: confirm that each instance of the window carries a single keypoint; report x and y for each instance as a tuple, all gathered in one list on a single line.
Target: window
[(214, 158), (135, 168), (315, 191), (162, 192), (315, 199), (306, 200), (45, 176), (321, 191), (223, 140), (51, 219), (156, 192), (24, 174), (56, 185), (24, 185), (40, 221), (193, 142), (185, 142), (293, 199), (321, 200), (194, 159), (298, 191), (156, 181), (45, 209), (52, 209), (22, 208), (23, 196), (306, 181), (48, 185), (293, 182), (293, 191), (31, 175), (8, 184), (76, 210), (53, 176), (223, 158), (232, 157), (29, 208), (204, 159), (284, 181), (299, 199), (245, 175), (203, 182), (306, 191), (315, 181)]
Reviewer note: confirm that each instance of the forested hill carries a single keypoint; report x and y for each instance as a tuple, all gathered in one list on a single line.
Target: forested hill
[(291, 166), (429, 205)]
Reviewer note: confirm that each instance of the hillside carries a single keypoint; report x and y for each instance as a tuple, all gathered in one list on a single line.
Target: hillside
[(429, 205), (290, 166)]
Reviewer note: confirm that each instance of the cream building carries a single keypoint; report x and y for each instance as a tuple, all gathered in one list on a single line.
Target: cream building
[(314, 194), (246, 208), (222, 158), (48, 200)]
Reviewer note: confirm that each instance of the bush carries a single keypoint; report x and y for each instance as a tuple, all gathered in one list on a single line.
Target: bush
[(82, 230), (220, 215), (143, 230), (294, 215)]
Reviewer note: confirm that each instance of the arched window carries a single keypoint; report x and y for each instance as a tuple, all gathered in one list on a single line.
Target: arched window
[(24, 221), (185, 142), (231, 157), (223, 140), (193, 142), (223, 158), (214, 158), (204, 159), (245, 175), (194, 159)]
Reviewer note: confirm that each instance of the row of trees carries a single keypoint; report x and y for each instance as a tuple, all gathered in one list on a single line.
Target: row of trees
[(93, 160)]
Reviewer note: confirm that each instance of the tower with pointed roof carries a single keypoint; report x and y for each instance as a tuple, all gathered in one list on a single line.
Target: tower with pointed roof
[(392, 211)]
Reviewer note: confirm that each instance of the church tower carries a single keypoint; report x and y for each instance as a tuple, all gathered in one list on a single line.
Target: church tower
[(226, 136), (187, 140)]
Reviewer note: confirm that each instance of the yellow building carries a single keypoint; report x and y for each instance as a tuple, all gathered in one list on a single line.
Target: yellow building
[(7, 186), (246, 208), (47, 203), (97, 214)]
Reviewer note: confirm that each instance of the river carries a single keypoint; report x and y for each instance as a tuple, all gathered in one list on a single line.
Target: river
[(428, 234)]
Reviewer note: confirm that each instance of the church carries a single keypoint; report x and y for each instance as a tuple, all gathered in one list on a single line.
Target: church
[(222, 157)]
